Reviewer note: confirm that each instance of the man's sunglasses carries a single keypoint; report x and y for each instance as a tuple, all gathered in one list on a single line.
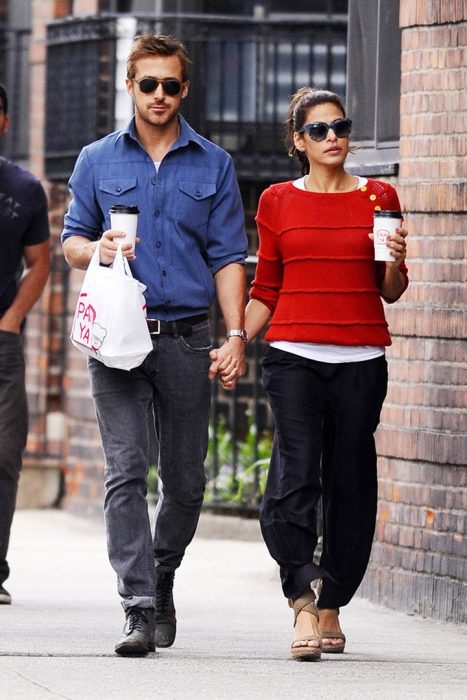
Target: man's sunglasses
[(170, 86), (317, 131)]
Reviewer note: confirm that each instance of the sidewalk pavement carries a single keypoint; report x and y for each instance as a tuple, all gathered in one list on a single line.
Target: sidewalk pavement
[(57, 639)]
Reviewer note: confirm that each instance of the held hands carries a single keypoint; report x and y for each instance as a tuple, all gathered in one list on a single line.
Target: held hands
[(228, 362), (109, 245), (397, 246)]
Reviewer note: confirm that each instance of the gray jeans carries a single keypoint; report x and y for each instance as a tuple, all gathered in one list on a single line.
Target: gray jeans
[(13, 434), (168, 396)]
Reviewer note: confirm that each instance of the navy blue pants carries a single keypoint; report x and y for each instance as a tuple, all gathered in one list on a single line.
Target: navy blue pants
[(325, 417)]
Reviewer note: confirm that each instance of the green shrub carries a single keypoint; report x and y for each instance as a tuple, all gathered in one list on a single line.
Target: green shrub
[(246, 483)]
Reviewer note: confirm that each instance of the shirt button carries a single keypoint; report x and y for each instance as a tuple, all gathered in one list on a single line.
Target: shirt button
[(158, 244), (164, 273), (157, 212), (372, 197), (197, 193), (119, 189)]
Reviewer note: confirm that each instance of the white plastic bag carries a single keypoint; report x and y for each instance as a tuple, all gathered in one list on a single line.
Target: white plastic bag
[(110, 316)]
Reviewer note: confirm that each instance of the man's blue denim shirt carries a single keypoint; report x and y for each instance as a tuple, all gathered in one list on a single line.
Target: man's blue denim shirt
[(191, 221)]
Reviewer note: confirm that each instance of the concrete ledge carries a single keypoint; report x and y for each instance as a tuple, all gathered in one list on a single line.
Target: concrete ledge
[(228, 527), (39, 487)]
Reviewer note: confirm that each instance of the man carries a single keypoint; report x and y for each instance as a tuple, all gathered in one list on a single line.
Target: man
[(191, 244), (24, 236)]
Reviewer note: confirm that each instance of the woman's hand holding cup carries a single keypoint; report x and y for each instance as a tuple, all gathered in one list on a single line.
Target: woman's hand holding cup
[(389, 237)]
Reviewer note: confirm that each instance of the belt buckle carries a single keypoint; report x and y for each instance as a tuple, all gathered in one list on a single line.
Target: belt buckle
[(158, 331)]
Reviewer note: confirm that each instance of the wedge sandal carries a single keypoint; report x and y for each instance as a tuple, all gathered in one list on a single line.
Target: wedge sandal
[(305, 602)]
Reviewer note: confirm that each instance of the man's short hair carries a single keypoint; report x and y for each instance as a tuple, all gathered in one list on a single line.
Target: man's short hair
[(4, 98), (157, 45)]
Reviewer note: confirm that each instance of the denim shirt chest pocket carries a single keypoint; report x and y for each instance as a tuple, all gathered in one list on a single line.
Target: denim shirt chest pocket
[(195, 201), (116, 190)]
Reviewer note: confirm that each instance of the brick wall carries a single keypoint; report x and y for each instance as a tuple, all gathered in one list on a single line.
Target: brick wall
[(419, 555)]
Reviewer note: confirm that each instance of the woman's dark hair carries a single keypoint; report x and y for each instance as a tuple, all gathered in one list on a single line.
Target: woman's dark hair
[(157, 45), (301, 102)]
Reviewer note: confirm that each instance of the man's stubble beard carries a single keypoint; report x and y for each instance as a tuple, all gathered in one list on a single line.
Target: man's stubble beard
[(158, 121)]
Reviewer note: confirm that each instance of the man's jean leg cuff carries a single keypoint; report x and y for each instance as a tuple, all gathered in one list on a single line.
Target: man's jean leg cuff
[(135, 601)]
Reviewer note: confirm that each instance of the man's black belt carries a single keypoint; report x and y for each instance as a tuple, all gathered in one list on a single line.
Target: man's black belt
[(183, 326)]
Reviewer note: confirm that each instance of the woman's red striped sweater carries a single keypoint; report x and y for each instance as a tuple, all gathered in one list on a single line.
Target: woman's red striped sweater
[(316, 271)]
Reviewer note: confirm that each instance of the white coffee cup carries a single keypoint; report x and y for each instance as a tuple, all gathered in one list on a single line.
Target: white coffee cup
[(384, 226), (124, 218)]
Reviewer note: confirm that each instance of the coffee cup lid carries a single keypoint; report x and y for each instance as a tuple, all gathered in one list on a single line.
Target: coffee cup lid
[(391, 213), (124, 209)]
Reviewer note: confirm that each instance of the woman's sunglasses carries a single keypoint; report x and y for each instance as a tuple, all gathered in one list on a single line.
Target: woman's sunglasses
[(317, 131), (170, 86)]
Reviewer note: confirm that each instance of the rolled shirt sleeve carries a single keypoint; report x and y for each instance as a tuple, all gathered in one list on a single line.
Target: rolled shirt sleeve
[(227, 242), (84, 217)]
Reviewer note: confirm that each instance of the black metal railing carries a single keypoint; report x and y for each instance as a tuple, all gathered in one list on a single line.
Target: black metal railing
[(241, 432), (80, 90)]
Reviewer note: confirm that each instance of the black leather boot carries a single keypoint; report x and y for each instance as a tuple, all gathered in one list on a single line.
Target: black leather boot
[(166, 622), (138, 633), (5, 597)]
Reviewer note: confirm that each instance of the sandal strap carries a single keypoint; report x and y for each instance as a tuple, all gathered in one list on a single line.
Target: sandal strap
[(310, 638), (306, 602), (333, 635)]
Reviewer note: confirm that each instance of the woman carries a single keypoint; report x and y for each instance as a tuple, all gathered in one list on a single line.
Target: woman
[(325, 373)]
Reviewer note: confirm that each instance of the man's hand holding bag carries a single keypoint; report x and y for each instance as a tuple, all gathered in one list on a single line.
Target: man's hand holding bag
[(110, 317)]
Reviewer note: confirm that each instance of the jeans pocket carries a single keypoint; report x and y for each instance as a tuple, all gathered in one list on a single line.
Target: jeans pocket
[(199, 341)]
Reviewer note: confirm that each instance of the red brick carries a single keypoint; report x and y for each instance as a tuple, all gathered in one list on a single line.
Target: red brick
[(416, 12), (435, 197), (416, 145)]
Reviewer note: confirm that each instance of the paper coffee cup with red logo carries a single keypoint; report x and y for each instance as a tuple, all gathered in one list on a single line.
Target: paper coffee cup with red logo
[(384, 226), (124, 217)]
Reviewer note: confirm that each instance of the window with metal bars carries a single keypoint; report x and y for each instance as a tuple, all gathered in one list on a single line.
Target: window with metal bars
[(15, 31), (373, 84)]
